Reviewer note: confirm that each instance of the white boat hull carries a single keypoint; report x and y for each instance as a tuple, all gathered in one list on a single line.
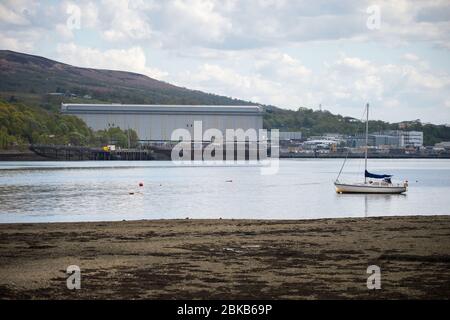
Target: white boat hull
[(369, 188)]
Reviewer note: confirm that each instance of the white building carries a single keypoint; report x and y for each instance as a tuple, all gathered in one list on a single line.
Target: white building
[(407, 138), (444, 145), (293, 135), (411, 139), (157, 122), (319, 144)]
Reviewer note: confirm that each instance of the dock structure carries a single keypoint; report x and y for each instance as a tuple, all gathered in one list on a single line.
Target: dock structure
[(160, 151), (73, 153)]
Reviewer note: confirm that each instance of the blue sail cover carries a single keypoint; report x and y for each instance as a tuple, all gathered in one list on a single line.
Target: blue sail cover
[(377, 176)]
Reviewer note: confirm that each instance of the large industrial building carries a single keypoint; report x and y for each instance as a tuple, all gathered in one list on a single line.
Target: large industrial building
[(157, 122)]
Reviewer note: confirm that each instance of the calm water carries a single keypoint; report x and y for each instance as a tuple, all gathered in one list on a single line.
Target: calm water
[(91, 191)]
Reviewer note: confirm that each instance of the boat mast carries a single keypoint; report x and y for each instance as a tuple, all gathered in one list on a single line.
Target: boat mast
[(367, 141)]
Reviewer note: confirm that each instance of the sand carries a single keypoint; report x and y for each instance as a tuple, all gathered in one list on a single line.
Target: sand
[(228, 259)]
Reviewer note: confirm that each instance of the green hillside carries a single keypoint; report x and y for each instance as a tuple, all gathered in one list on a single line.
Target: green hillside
[(21, 125), (312, 123), (35, 80), (32, 89)]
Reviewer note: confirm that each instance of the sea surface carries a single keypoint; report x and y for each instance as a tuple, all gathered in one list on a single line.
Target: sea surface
[(302, 189)]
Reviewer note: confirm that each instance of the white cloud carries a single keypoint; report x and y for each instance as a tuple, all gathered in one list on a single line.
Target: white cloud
[(124, 20), (274, 78), (447, 103), (63, 31), (240, 25), (192, 22), (226, 81), (424, 79), (410, 57), (281, 66), (248, 49), (7, 43), (343, 86), (396, 90), (10, 15), (132, 59), (19, 40), (90, 15)]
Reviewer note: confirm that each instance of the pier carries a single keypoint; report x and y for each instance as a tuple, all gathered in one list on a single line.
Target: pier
[(149, 151), (74, 153)]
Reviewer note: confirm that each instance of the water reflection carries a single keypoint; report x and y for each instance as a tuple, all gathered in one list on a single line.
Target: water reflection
[(303, 189), (371, 203)]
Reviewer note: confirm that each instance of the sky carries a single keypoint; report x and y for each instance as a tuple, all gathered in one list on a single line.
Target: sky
[(334, 54)]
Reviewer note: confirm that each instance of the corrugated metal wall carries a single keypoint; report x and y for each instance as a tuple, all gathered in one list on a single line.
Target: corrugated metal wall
[(159, 127)]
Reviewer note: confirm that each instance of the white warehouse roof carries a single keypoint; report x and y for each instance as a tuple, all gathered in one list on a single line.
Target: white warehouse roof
[(74, 108)]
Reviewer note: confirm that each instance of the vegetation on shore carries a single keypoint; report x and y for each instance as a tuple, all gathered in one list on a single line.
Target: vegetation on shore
[(32, 89), (315, 122), (21, 125)]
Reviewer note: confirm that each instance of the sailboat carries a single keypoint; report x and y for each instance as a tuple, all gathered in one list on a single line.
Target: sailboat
[(373, 183)]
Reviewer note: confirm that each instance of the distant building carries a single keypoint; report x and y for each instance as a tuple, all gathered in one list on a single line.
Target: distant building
[(319, 144), (444, 145), (374, 140), (157, 122), (411, 139), (383, 140), (406, 138), (333, 136), (359, 141), (295, 135)]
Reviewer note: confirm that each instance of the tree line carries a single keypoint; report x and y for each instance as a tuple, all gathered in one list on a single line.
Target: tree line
[(21, 125), (314, 122)]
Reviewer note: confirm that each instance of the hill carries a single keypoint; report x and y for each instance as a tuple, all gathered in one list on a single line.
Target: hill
[(38, 80), (37, 85)]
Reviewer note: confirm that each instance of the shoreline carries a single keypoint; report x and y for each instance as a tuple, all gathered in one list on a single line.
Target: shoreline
[(283, 220), (20, 155), (28, 155), (228, 259)]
